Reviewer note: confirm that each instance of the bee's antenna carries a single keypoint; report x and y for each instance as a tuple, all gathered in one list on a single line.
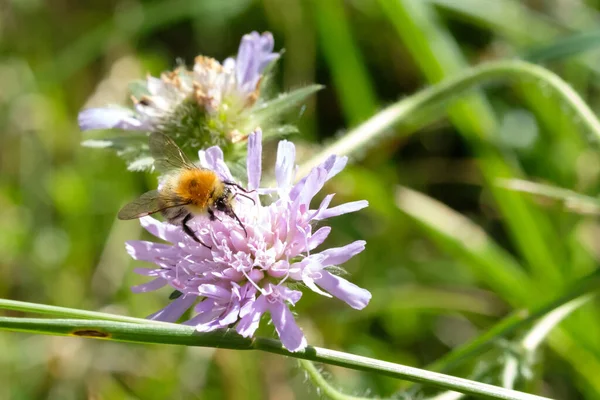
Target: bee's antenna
[(238, 186), (243, 195)]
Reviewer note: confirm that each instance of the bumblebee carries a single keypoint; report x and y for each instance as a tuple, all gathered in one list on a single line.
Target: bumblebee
[(187, 190)]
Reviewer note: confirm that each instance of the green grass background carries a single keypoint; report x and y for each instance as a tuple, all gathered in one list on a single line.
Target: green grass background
[(442, 269)]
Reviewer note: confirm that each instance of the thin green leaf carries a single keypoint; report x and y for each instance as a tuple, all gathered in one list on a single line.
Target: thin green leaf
[(284, 102), (564, 47), (468, 241), (65, 312), (516, 320), (439, 55), (350, 76), (368, 133), (138, 88), (229, 339), (141, 164), (573, 201)]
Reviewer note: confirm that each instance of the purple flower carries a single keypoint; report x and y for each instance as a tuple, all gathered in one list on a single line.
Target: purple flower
[(254, 55), (218, 89), (239, 279)]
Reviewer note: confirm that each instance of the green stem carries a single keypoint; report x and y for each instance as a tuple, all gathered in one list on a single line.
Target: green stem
[(514, 321), (364, 135), (321, 383), (71, 312), (188, 336)]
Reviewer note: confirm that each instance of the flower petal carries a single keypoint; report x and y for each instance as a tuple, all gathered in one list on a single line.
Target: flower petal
[(356, 297), (175, 310), (322, 207), (110, 118), (289, 295), (254, 159), (250, 321), (341, 209), (212, 158), (290, 334), (285, 165), (214, 291), (334, 165), (339, 255), (310, 283), (149, 286), (254, 54), (148, 251), (162, 230), (318, 237), (310, 187), (208, 312)]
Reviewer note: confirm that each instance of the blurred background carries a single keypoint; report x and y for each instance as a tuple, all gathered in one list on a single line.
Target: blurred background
[(442, 268)]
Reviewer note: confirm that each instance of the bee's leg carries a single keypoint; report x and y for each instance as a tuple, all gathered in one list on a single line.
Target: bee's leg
[(211, 215), (190, 232)]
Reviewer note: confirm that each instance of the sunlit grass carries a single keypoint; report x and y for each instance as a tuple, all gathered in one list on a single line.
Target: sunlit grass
[(455, 253)]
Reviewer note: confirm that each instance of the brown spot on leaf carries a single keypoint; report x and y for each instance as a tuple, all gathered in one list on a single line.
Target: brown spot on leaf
[(91, 333)]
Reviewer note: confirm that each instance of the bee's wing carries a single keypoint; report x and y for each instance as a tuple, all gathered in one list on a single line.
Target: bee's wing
[(167, 155), (146, 204)]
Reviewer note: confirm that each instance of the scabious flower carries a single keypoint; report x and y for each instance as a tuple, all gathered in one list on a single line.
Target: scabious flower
[(212, 88), (210, 104), (239, 279)]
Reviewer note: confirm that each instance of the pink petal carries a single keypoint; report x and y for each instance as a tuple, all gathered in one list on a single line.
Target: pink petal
[(145, 271), (334, 165), (285, 164), (230, 315), (208, 311), (341, 209), (110, 118), (285, 293), (148, 251), (318, 237), (214, 160), (175, 310), (214, 291), (250, 321), (290, 334), (322, 207), (162, 230), (311, 186), (339, 255), (254, 54), (254, 159), (356, 297), (149, 286)]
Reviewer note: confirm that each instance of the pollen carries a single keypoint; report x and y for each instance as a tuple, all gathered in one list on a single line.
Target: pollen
[(196, 185)]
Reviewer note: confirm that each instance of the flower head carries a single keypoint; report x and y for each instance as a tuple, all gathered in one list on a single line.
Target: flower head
[(211, 87), (239, 279), (210, 104)]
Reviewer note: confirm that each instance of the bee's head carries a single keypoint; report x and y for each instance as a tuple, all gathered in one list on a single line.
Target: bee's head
[(224, 204)]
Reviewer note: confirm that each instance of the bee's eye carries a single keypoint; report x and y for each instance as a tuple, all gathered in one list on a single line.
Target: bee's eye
[(220, 204)]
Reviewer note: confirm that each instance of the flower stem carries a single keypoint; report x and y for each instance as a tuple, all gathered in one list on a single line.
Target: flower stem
[(321, 383), (188, 336), (364, 135)]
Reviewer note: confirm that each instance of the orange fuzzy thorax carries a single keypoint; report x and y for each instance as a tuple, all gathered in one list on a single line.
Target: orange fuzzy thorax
[(200, 186)]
